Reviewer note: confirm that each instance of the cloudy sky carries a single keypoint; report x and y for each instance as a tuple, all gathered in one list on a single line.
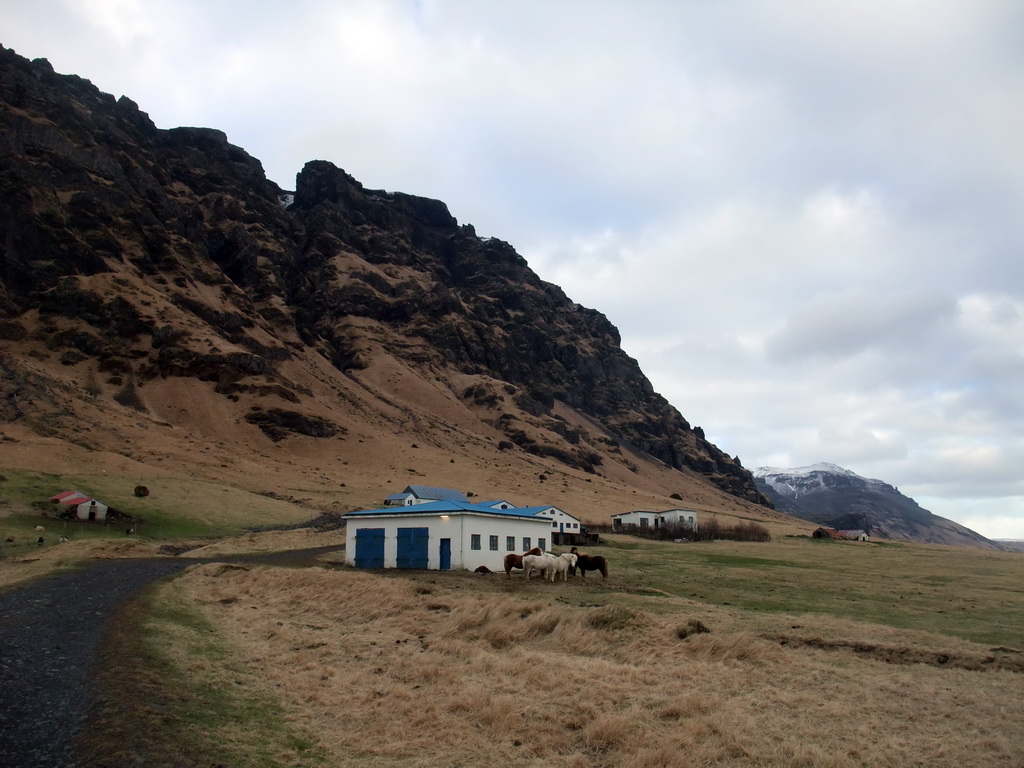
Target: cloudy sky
[(805, 217)]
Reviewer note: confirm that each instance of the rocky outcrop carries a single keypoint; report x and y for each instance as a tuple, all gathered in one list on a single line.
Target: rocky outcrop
[(94, 190)]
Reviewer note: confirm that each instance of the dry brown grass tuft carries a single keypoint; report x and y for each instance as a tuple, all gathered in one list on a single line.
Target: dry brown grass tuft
[(388, 671)]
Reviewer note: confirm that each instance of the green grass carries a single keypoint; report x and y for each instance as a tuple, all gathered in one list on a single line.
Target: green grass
[(974, 594), (174, 508), (210, 705)]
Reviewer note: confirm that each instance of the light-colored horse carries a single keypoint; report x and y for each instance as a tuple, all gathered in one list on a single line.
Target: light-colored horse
[(544, 563), (564, 564), (513, 560)]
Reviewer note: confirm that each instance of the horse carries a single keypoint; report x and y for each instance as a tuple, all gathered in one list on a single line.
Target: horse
[(512, 560), (566, 563), (543, 563), (586, 563)]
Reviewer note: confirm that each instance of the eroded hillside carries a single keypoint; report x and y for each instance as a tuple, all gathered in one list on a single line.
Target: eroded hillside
[(163, 302)]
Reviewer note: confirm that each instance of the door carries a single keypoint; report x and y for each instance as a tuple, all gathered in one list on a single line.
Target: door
[(446, 554), (412, 547), (370, 548)]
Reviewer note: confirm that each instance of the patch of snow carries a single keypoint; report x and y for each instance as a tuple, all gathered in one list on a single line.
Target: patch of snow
[(822, 466)]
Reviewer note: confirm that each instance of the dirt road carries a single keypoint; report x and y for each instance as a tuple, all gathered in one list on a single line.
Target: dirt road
[(50, 632)]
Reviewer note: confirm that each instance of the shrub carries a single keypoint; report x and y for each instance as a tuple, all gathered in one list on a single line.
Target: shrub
[(707, 530), (692, 627)]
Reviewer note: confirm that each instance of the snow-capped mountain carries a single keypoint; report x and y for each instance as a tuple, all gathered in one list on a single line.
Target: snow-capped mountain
[(838, 498)]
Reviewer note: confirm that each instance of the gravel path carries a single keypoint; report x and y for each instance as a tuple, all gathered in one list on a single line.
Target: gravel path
[(49, 633)]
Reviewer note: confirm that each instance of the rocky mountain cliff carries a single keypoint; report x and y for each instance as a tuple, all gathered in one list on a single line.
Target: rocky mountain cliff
[(838, 498), (133, 256)]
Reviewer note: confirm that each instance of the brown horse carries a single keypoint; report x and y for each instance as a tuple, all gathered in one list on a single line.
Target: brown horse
[(512, 560), (586, 563)]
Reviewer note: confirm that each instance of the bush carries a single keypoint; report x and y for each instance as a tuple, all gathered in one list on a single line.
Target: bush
[(707, 530), (692, 627)]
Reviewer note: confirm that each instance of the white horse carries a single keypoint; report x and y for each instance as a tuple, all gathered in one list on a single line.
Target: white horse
[(564, 564), (544, 564)]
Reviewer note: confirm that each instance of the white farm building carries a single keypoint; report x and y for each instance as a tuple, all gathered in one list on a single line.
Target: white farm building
[(91, 510), (561, 521), (686, 518), (442, 535), (423, 494)]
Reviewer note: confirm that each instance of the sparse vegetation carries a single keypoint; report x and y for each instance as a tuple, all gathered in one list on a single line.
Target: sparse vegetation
[(403, 668), (709, 529)]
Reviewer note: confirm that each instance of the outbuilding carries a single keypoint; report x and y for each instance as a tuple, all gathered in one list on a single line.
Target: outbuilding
[(640, 518), (441, 535), (423, 494), (684, 518), (70, 497), (855, 535), (561, 521), (91, 510)]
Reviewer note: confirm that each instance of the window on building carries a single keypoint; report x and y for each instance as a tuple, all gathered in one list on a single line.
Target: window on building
[(527, 546), (645, 522), (554, 523), (474, 541), (510, 543), (494, 543), (542, 543)]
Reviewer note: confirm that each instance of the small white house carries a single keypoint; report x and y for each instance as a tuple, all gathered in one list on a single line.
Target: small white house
[(644, 519), (635, 519), (441, 535), (423, 494), (682, 517), (561, 521), (497, 504), (91, 510)]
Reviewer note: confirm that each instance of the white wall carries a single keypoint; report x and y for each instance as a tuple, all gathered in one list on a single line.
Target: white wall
[(634, 518), (460, 528), (680, 517), (561, 522), (98, 509)]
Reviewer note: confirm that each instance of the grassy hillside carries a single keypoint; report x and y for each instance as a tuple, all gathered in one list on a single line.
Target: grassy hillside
[(174, 507)]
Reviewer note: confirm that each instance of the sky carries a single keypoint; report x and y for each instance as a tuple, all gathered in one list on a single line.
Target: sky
[(804, 216)]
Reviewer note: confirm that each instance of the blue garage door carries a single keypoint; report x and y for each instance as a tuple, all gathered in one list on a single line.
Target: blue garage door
[(370, 548), (412, 547)]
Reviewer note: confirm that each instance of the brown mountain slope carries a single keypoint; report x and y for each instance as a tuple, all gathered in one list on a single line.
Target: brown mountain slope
[(163, 311)]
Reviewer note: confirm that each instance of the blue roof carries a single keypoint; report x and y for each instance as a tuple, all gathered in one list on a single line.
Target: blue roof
[(440, 494), (395, 496), (441, 507)]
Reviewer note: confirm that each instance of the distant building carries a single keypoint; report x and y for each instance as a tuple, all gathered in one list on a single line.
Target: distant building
[(92, 510), (832, 533), (424, 494), (645, 519)]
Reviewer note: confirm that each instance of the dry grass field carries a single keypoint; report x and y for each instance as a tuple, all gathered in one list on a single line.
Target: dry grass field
[(792, 653)]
